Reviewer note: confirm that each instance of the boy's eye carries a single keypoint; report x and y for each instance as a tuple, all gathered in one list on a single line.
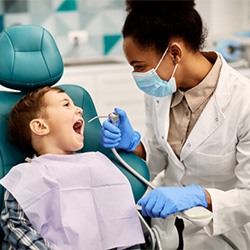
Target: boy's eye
[(66, 104)]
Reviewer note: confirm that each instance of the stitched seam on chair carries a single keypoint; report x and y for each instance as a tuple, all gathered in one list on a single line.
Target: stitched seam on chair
[(51, 79), (13, 85), (12, 70), (24, 51), (41, 45)]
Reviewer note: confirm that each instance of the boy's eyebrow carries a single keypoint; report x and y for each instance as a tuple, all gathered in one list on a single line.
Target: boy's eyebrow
[(65, 99)]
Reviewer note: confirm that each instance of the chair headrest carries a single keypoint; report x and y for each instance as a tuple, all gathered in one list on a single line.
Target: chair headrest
[(29, 58)]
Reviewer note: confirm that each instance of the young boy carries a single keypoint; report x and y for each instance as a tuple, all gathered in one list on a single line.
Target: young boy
[(62, 200)]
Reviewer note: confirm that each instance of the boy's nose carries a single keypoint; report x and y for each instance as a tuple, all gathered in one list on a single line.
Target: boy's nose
[(79, 111)]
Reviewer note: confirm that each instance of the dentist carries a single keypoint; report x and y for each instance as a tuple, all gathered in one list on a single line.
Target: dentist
[(197, 139)]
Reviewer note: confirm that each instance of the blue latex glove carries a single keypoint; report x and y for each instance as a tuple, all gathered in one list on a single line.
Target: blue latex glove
[(164, 201), (121, 136)]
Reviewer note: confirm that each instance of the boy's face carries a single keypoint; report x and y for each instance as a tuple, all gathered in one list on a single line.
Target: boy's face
[(65, 123)]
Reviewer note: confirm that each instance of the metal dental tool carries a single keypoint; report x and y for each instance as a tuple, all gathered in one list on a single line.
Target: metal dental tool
[(98, 116), (113, 116)]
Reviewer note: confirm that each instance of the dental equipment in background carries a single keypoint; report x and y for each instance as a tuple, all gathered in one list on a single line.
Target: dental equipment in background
[(199, 216), (235, 49)]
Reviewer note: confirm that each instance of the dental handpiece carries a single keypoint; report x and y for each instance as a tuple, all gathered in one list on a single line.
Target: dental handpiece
[(113, 116)]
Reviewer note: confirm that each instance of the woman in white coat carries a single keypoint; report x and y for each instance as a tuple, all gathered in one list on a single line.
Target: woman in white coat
[(197, 140)]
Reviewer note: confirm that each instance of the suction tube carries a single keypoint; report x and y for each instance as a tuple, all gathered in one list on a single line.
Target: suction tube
[(135, 173)]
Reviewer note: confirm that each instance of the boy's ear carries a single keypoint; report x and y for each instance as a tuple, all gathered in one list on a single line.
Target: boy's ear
[(39, 127)]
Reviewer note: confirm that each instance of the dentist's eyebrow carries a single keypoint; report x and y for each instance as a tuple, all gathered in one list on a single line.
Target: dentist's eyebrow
[(137, 62)]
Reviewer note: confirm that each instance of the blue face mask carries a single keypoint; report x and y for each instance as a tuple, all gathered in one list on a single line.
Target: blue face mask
[(150, 82)]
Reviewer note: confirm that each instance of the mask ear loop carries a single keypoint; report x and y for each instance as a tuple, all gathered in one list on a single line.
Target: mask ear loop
[(175, 68), (161, 58)]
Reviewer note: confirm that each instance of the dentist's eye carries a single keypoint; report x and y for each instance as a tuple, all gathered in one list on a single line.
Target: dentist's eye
[(138, 68)]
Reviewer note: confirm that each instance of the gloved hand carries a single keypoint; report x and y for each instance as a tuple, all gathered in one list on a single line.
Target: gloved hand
[(121, 136), (164, 201)]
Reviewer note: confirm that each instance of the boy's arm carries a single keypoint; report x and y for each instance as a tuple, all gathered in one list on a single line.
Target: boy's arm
[(18, 230)]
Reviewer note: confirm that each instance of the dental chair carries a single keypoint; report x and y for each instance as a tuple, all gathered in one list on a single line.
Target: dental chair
[(30, 59)]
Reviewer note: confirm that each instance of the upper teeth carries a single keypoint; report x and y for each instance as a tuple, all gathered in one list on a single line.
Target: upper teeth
[(78, 124)]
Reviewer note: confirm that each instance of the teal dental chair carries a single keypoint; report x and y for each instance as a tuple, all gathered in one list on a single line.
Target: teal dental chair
[(29, 59)]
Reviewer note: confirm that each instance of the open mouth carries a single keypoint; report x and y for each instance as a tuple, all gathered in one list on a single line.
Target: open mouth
[(78, 126)]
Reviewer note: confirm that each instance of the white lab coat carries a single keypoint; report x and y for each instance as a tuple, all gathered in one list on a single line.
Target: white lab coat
[(216, 156)]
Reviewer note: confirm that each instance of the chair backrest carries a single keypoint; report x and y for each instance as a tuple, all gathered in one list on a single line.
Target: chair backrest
[(29, 59)]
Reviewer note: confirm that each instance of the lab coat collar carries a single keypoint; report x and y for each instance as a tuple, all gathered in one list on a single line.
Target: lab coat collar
[(162, 119), (213, 113)]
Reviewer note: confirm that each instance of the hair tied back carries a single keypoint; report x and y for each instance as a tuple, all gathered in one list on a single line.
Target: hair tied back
[(159, 5)]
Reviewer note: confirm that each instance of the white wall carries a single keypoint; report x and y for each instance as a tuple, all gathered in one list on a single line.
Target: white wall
[(224, 17)]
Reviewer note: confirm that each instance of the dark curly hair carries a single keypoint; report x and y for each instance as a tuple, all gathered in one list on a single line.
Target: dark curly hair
[(153, 23)]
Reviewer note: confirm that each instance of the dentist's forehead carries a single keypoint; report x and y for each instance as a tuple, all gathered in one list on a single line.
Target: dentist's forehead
[(137, 54)]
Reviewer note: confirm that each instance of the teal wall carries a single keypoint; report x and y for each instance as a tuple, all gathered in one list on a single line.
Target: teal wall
[(102, 19)]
